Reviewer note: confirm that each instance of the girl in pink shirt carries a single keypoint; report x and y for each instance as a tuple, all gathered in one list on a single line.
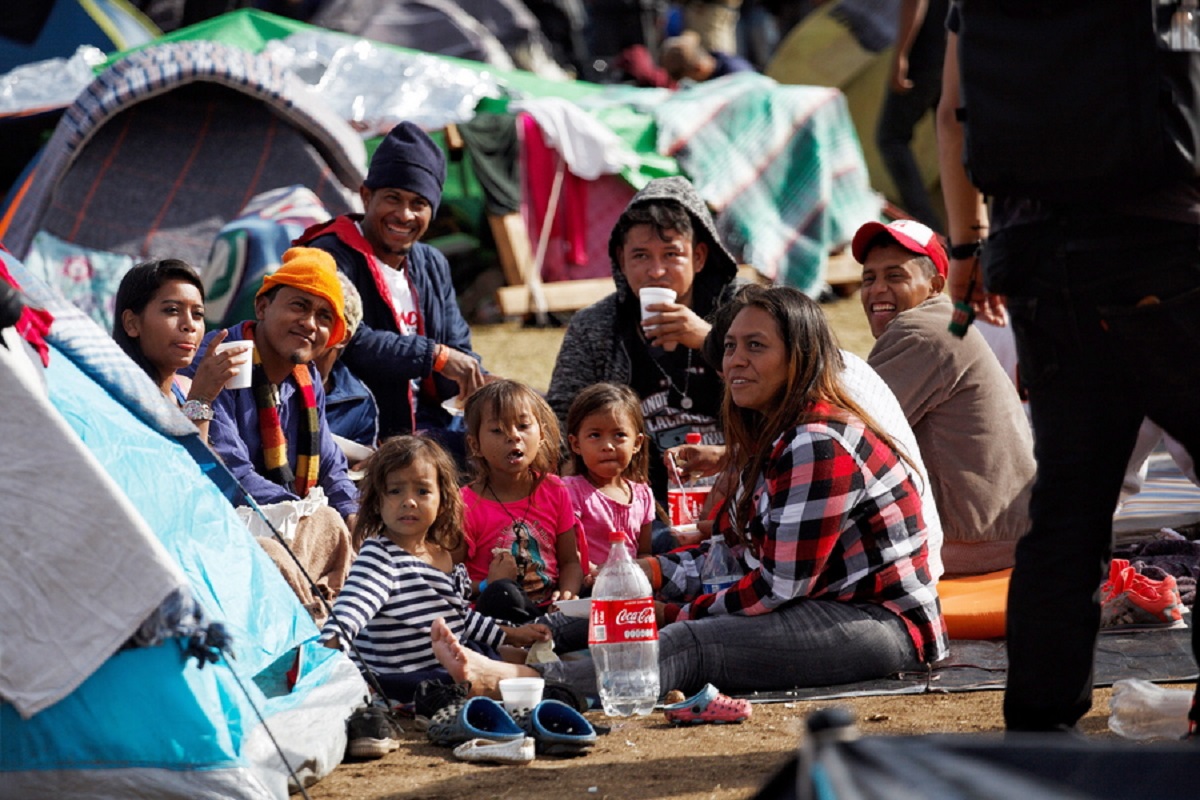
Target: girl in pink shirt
[(608, 488), (521, 549)]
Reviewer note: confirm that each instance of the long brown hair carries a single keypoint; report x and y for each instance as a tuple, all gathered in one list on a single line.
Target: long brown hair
[(506, 399), (814, 368), (400, 452)]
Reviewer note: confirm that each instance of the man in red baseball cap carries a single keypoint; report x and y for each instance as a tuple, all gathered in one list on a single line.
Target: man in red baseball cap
[(968, 421), (904, 265)]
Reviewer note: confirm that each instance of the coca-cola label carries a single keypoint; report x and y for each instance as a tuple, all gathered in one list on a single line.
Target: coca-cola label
[(619, 621), (683, 505)]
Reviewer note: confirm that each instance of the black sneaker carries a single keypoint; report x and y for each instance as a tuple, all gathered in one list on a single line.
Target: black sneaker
[(565, 693), (371, 733), (432, 696)]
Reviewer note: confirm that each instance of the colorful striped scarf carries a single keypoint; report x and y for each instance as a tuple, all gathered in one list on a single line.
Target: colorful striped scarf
[(270, 428)]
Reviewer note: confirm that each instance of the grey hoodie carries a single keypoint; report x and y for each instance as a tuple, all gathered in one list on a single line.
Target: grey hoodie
[(593, 349)]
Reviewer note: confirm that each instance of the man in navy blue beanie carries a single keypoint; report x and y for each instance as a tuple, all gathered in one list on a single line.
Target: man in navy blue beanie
[(413, 347)]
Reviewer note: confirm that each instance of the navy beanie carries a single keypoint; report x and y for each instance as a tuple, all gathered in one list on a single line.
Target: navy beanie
[(408, 159)]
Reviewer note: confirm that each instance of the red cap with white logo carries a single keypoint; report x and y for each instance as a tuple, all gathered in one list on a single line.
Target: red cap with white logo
[(909, 234)]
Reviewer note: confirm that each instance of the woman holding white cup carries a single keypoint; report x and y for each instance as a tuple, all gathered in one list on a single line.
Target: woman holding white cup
[(158, 319)]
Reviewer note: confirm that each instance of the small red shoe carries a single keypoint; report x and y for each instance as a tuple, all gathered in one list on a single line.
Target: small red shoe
[(1136, 601), (708, 706), (1119, 572)]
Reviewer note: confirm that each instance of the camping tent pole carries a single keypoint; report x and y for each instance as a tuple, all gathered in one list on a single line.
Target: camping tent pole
[(533, 278)]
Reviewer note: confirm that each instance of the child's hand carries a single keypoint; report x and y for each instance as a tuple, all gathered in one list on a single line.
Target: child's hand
[(503, 566), (589, 580), (333, 642), (525, 635), (562, 594)]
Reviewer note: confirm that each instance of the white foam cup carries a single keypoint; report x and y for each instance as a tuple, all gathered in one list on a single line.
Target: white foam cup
[(653, 295), (454, 405), (240, 379), (521, 694)]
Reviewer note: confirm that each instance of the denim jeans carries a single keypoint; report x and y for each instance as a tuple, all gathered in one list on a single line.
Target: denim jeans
[(1106, 314), (893, 137), (809, 643)]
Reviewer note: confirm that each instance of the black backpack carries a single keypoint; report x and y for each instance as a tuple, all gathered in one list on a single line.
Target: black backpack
[(1076, 101)]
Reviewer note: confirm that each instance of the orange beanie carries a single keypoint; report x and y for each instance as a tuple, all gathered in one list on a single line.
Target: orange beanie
[(313, 271)]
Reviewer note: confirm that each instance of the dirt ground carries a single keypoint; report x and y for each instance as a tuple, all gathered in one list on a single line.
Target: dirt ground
[(646, 758)]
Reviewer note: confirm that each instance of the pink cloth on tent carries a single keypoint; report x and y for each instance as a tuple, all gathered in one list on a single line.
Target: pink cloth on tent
[(568, 232), (34, 323), (607, 198)]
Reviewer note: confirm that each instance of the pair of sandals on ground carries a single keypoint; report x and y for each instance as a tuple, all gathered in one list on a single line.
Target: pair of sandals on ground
[(480, 729)]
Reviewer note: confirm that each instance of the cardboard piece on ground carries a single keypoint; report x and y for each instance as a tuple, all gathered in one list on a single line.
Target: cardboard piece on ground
[(512, 246), (560, 295)]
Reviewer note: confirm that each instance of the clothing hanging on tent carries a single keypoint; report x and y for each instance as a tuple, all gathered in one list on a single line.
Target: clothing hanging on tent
[(491, 141)]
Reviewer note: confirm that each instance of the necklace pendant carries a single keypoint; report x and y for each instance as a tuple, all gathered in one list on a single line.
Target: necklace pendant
[(686, 403)]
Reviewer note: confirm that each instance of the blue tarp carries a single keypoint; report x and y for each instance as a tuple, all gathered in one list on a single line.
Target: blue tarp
[(150, 717)]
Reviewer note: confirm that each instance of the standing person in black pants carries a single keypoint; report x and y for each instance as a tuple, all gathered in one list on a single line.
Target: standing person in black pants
[(1104, 296), (914, 87)]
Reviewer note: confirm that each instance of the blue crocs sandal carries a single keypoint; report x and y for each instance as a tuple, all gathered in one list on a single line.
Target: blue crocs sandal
[(708, 706), (472, 718), (558, 729)]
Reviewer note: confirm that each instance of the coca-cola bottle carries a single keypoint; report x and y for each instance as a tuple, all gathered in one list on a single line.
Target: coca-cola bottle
[(623, 634)]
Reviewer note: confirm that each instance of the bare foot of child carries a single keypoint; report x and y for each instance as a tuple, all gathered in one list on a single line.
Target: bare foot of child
[(467, 666)]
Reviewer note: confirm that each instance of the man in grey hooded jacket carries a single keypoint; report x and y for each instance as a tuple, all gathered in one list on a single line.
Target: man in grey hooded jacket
[(665, 237)]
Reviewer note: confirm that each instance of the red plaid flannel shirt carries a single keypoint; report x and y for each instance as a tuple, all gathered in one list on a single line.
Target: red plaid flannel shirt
[(836, 517)]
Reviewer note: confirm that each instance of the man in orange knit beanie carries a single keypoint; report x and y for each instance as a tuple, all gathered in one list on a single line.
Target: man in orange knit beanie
[(273, 435)]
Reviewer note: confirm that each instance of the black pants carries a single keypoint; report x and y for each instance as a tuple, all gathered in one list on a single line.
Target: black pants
[(1106, 314), (505, 601)]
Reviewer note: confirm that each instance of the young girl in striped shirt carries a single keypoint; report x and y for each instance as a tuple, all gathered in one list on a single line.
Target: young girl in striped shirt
[(410, 519)]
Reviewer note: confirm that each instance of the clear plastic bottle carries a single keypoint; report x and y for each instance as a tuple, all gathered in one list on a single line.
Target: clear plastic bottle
[(721, 570), (623, 635), (1140, 709), (1185, 27)]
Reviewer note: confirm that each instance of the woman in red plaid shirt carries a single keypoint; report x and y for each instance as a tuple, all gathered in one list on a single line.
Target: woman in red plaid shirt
[(825, 522), (836, 586)]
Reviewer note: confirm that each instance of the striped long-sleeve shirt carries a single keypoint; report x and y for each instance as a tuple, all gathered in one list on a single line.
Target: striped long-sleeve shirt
[(838, 518), (389, 603)]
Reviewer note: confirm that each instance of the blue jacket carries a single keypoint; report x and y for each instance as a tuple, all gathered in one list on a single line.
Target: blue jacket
[(350, 407), (378, 354), (234, 435)]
